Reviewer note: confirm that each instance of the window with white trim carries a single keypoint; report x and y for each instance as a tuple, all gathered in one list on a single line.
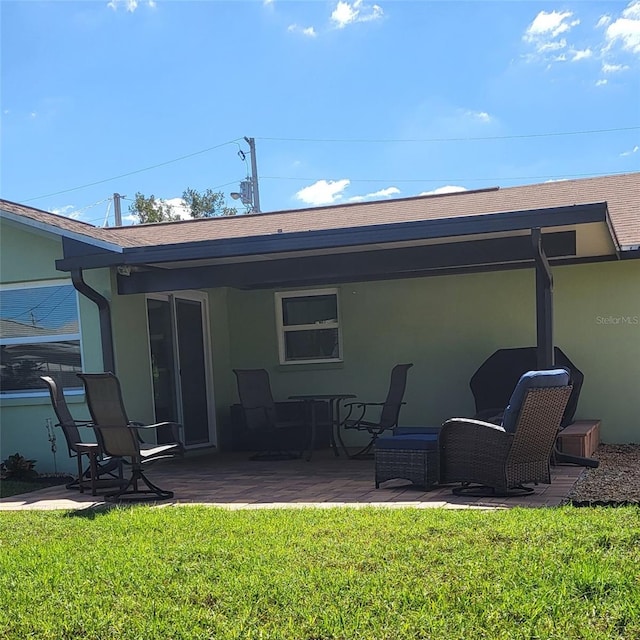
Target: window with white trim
[(308, 326), (39, 335)]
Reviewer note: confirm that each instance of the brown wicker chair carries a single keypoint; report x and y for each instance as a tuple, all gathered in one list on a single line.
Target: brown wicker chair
[(108, 468), (274, 438), (491, 460), (118, 436), (389, 411)]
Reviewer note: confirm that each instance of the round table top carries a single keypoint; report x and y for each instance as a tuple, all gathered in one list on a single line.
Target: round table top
[(322, 396)]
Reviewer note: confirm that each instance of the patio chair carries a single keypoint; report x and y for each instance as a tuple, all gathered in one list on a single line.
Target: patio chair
[(275, 439), (111, 468), (496, 460), (118, 436), (389, 411)]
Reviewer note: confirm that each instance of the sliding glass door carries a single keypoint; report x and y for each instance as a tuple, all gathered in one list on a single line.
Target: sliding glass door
[(179, 348)]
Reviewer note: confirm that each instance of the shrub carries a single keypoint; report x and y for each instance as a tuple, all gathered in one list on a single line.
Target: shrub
[(17, 467)]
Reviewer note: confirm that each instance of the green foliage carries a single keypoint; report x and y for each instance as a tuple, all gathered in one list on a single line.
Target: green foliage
[(17, 467), (293, 574), (208, 204), (150, 209)]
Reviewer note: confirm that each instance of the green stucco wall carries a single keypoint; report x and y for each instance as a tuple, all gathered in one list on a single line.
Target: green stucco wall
[(27, 256), (448, 325)]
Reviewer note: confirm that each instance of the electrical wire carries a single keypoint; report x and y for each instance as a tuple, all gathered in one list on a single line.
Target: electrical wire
[(131, 173), (461, 139)]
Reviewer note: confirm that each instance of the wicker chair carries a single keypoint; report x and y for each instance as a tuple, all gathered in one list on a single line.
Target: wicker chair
[(275, 439), (108, 468), (389, 411), (492, 460), (118, 436)]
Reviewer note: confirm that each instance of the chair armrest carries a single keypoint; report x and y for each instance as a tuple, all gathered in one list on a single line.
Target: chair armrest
[(468, 446), (176, 428)]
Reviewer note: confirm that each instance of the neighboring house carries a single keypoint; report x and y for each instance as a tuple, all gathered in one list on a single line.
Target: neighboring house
[(327, 299)]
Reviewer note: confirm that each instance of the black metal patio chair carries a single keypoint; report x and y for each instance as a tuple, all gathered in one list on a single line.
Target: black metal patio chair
[(274, 439), (389, 411), (107, 468), (118, 436)]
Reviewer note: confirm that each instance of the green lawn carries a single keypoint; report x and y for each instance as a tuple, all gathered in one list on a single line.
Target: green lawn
[(197, 572)]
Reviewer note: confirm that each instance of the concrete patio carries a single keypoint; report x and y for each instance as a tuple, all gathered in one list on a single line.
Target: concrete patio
[(232, 481)]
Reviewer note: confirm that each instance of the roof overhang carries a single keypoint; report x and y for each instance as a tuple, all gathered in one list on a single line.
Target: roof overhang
[(382, 251)]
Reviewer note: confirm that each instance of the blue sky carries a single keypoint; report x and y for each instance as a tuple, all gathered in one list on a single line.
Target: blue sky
[(346, 100)]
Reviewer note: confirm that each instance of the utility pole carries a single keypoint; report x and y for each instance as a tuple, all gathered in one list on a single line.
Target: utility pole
[(254, 174), (116, 209)]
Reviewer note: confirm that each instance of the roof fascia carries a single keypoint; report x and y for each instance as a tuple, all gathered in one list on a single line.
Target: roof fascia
[(346, 237), (59, 231)]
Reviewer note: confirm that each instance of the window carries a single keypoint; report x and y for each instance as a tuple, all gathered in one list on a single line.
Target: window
[(39, 335), (308, 326)]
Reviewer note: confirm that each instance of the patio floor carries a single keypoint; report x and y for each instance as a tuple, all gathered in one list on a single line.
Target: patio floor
[(234, 482)]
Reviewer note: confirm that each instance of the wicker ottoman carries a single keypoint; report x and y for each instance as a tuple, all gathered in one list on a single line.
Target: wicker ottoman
[(411, 457)]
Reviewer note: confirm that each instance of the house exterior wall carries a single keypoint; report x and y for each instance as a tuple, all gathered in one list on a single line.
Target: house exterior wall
[(448, 325), (28, 257)]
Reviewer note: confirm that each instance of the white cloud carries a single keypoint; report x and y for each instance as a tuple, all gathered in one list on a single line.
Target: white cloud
[(351, 12), (483, 116), (67, 210), (613, 68), (603, 22), (626, 29), (178, 207), (384, 193), (601, 82), (549, 25), (630, 152), (581, 55), (440, 190), (556, 45), (323, 192), (129, 5), (306, 31)]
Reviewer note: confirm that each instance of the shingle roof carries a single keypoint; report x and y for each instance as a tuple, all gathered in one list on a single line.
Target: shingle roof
[(621, 192)]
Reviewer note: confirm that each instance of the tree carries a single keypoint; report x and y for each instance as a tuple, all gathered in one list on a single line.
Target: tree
[(208, 204), (151, 209)]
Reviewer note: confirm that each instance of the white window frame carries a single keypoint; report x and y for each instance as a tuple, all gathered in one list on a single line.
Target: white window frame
[(282, 329), (40, 284)]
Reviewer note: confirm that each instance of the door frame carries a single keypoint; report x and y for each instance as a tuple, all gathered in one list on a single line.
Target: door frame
[(203, 298)]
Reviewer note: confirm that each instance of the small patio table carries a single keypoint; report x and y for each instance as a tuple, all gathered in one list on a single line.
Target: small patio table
[(333, 400)]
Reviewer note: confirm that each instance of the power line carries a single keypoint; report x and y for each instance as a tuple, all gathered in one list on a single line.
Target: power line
[(461, 139), (131, 173), (445, 179)]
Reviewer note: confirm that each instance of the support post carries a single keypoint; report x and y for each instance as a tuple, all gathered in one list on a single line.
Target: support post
[(544, 303), (116, 209), (254, 174)]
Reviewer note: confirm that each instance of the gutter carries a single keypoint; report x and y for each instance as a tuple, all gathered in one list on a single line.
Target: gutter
[(104, 309)]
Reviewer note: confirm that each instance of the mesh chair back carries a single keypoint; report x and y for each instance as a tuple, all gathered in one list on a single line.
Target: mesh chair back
[(104, 399), (254, 390), (393, 403), (60, 408)]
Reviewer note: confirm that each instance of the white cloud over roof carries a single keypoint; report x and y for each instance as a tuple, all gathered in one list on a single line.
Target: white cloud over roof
[(323, 191), (440, 190)]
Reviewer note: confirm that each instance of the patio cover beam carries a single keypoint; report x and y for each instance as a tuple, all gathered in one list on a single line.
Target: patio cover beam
[(352, 266)]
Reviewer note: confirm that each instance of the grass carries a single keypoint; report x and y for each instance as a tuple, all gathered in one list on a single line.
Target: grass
[(311, 574)]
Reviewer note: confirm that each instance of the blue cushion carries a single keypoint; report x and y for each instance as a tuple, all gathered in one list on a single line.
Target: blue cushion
[(412, 431), (419, 442), (531, 380)]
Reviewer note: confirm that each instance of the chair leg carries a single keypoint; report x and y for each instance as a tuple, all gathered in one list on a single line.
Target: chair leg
[(132, 488)]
